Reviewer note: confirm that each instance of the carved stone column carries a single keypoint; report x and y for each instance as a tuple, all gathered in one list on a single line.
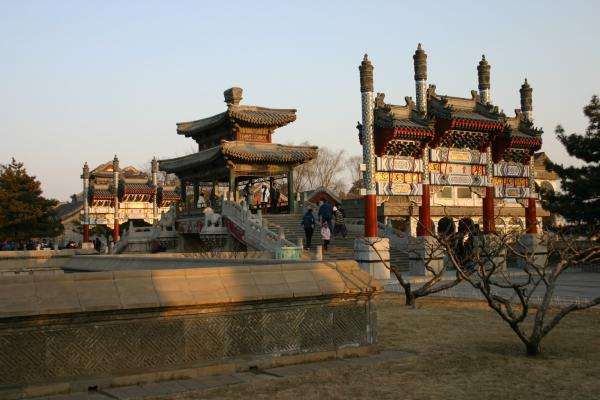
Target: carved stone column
[(86, 207), (155, 184), (116, 229)]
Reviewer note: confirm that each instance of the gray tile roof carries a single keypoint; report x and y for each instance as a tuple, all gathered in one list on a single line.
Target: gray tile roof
[(261, 116)]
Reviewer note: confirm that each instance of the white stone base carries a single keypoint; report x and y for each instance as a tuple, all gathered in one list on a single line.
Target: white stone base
[(372, 255), (87, 245), (423, 251), (532, 246)]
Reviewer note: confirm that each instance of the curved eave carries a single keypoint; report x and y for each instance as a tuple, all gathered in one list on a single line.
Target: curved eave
[(179, 164), (423, 134), (477, 125), (268, 153), (519, 142)]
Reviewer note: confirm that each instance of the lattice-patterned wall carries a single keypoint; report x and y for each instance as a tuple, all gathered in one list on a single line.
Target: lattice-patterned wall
[(88, 346)]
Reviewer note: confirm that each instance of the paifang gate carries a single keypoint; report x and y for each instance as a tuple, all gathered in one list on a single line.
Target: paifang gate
[(443, 156)]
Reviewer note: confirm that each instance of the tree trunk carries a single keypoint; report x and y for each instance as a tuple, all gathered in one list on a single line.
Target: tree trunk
[(410, 298), (533, 348)]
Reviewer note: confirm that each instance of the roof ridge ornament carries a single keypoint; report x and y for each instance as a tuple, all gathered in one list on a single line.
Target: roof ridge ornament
[(233, 96)]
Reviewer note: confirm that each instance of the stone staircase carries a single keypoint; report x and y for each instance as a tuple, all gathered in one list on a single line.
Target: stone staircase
[(339, 248)]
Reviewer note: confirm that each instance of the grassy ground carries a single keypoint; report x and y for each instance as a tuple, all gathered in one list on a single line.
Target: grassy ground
[(462, 351)]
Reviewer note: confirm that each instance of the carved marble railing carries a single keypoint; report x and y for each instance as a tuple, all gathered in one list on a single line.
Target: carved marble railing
[(252, 229)]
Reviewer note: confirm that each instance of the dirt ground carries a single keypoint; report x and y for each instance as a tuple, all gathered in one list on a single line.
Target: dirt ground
[(462, 350)]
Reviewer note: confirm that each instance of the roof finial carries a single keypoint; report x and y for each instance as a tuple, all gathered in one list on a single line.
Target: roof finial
[(366, 75), (527, 100), (233, 96), (420, 61)]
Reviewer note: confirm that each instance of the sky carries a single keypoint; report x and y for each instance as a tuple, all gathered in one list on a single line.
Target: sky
[(85, 80)]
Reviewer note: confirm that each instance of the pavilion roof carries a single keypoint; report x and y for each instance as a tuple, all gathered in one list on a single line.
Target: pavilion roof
[(236, 113), (262, 153)]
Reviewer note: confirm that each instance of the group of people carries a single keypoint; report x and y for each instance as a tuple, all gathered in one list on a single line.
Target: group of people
[(266, 198), (8, 245), (330, 219)]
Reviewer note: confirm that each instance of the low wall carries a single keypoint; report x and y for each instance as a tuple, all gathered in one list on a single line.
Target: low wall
[(121, 262), (73, 331), (33, 260)]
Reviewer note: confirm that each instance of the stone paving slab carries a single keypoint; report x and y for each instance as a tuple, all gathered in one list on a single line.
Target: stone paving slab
[(171, 388)]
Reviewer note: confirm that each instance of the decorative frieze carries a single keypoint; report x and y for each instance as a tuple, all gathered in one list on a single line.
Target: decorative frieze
[(460, 156), (458, 180), (399, 164), (399, 189), (512, 192), (510, 169)]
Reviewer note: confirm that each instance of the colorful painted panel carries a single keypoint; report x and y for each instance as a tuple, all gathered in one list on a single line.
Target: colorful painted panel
[(458, 180), (457, 169), (511, 169), (398, 177), (399, 163), (510, 182), (460, 156), (512, 192), (399, 189)]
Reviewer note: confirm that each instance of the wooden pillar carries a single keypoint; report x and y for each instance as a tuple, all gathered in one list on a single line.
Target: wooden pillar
[(291, 193), (489, 225), (424, 224), (531, 216), (232, 186), (183, 192), (196, 194), (371, 215), (116, 233)]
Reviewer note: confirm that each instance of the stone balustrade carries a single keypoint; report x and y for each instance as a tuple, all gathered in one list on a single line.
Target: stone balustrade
[(253, 230)]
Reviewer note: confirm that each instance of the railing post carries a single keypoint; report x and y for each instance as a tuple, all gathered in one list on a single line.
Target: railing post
[(319, 253)]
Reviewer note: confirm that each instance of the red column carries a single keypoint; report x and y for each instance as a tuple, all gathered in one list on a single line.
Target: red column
[(86, 233), (116, 232), (488, 211), (531, 216), (424, 226), (371, 215)]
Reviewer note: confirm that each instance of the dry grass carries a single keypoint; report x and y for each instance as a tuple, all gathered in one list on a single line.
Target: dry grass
[(462, 351)]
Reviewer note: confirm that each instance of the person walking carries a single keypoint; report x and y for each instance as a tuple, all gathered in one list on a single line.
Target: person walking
[(326, 214), (340, 225), (326, 234), (264, 198), (308, 223), (247, 193)]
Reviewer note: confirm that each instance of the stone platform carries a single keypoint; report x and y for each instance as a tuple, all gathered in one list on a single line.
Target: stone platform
[(67, 332)]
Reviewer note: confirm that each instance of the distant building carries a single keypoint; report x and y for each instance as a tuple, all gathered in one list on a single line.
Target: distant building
[(113, 197)]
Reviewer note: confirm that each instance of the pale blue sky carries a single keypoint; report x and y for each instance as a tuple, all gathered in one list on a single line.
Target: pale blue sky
[(85, 80)]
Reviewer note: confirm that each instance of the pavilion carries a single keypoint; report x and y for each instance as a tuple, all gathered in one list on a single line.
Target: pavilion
[(235, 148)]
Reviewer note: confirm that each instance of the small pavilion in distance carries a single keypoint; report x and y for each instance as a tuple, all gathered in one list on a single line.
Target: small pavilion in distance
[(235, 147)]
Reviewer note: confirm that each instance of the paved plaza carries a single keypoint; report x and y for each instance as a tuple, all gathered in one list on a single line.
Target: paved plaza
[(572, 287)]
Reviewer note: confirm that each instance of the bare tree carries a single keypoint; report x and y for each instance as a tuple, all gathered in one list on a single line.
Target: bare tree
[(524, 299), (434, 266), (326, 170), (352, 166)]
